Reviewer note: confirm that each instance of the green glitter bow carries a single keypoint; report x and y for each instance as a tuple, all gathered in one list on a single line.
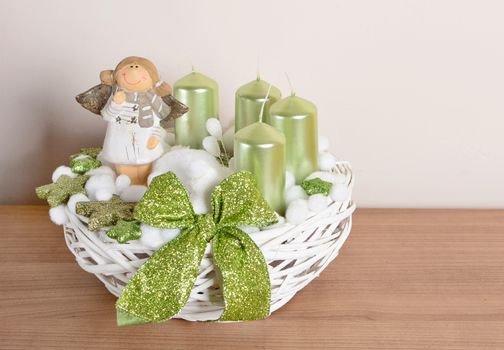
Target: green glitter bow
[(160, 288)]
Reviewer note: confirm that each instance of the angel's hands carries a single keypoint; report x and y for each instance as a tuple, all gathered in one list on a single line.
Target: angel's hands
[(119, 97), (153, 141)]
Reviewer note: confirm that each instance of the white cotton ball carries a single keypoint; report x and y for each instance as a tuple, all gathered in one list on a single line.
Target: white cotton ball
[(317, 203), (151, 237), (293, 193), (228, 140), (290, 180), (339, 193), (103, 170), (326, 161), (121, 182), (98, 182), (297, 212), (232, 164), (323, 143), (62, 170), (133, 193), (211, 145), (73, 200), (103, 194), (58, 215), (169, 234), (197, 169), (170, 139), (249, 229), (214, 127)]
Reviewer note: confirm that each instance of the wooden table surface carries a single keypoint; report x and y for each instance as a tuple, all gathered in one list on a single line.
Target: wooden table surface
[(405, 279)]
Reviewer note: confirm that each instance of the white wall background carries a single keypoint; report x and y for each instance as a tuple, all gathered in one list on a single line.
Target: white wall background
[(411, 92)]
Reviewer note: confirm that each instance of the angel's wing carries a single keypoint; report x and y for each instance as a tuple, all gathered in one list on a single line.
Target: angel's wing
[(177, 109), (95, 98)]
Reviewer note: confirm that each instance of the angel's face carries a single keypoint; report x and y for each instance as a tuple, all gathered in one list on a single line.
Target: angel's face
[(134, 77)]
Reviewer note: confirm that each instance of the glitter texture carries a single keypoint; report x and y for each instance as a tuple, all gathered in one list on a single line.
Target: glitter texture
[(91, 152), (105, 213), (82, 165), (125, 231), (316, 186), (59, 192), (161, 286)]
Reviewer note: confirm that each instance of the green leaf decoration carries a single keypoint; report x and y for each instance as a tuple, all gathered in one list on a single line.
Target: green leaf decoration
[(59, 192), (125, 231), (91, 152), (316, 186), (82, 164), (105, 213)]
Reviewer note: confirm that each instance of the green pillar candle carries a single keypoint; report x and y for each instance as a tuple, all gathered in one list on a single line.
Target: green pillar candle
[(249, 99), (297, 119), (260, 149), (200, 93)]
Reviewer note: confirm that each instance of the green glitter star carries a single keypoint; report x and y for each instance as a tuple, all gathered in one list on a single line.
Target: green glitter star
[(81, 165), (105, 213), (315, 186), (59, 192), (92, 152), (125, 231)]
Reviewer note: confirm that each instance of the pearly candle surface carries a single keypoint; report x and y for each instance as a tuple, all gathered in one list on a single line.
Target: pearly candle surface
[(249, 99), (260, 149), (200, 93), (297, 119)]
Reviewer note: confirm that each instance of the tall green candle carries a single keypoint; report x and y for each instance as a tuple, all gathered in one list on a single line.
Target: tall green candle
[(297, 119), (200, 93), (260, 149), (249, 99)]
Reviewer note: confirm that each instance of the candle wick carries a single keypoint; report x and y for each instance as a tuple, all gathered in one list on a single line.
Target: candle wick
[(293, 92), (258, 70), (193, 70), (264, 104)]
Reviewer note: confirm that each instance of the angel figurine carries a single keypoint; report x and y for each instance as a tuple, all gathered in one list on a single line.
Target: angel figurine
[(137, 106)]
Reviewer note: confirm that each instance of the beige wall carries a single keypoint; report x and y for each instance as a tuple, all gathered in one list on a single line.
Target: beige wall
[(412, 92)]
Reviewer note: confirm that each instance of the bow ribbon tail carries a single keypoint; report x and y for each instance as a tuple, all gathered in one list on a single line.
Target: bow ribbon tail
[(246, 283), (160, 288)]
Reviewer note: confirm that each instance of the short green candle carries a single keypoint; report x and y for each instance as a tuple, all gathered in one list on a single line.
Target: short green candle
[(249, 99), (260, 149), (297, 119), (201, 94)]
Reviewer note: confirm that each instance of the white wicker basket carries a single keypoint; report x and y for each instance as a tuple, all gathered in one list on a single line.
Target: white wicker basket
[(295, 254)]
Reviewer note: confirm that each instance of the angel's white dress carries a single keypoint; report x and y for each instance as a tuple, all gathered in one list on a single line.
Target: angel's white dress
[(130, 125)]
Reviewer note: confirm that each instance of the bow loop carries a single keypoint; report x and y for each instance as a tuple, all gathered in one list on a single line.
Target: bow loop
[(161, 287)]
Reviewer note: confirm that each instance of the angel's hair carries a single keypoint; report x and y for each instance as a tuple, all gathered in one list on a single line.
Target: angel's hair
[(108, 77)]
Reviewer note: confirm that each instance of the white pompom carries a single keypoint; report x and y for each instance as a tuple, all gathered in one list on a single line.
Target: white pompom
[(121, 182), (169, 234), (58, 215), (326, 161), (323, 143), (103, 170), (340, 193), (170, 139), (294, 193), (317, 203), (103, 194), (151, 237), (214, 127), (211, 145), (249, 229), (228, 140), (73, 200), (297, 212), (290, 180), (232, 164), (98, 182), (62, 170), (133, 193), (197, 169)]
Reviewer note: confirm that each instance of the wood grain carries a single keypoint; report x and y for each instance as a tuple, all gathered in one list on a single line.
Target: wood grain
[(406, 279)]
